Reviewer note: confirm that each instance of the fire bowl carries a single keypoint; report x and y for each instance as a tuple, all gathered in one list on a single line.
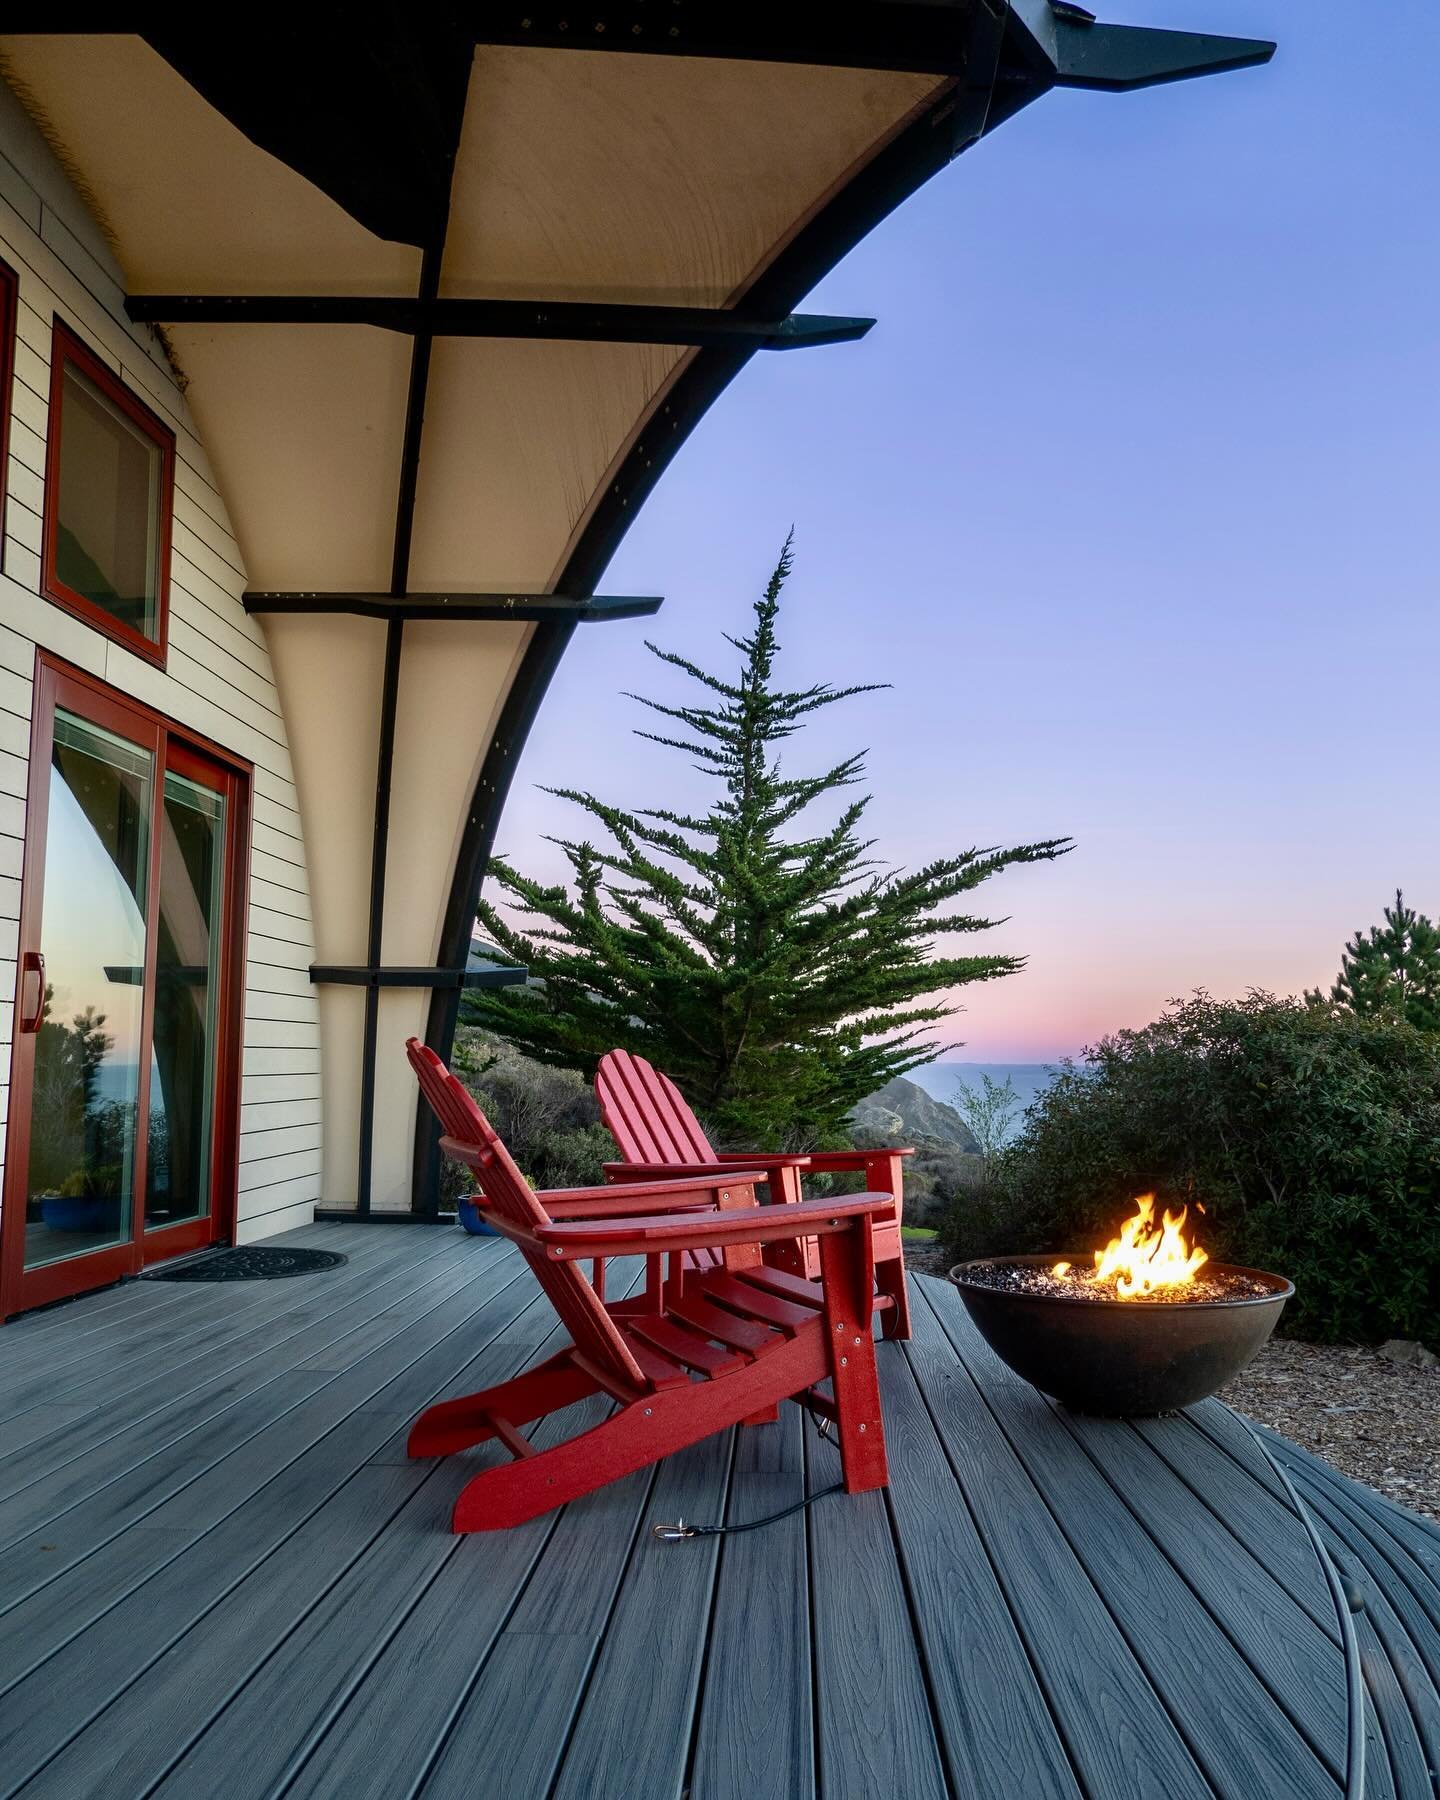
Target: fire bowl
[(1121, 1357)]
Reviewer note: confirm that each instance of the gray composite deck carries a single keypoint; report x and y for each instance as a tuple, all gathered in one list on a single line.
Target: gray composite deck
[(219, 1576)]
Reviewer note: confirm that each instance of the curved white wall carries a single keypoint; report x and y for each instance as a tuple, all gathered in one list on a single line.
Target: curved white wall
[(218, 678)]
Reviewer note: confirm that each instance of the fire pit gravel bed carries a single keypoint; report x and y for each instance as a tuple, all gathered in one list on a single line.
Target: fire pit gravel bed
[(1080, 1283)]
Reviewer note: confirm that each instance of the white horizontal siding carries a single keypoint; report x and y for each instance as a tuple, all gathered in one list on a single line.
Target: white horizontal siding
[(217, 681)]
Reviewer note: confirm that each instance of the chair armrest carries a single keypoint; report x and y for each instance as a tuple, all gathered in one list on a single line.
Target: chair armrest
[(631, 1203), (849, 1162), (764, 1225)]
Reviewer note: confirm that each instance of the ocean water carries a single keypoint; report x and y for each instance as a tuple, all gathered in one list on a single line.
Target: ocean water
[(941, 1079)]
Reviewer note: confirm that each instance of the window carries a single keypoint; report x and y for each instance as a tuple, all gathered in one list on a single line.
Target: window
[(109, 482), (9, 303)]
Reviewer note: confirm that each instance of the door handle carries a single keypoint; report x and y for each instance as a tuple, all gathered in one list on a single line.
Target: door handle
[(32, 964)]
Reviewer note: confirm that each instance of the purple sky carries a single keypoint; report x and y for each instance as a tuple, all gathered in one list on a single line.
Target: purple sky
[(1132, 494)]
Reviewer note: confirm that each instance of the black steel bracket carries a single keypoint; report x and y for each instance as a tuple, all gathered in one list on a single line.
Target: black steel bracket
[(581, 321), (581, 607), (420, 976)]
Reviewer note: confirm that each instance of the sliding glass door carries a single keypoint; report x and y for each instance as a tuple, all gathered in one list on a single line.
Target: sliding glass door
[(121, 1146)]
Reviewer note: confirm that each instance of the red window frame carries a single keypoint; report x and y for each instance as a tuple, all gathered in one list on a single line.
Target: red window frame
[(9, 325), (67, 348), (58, 683)]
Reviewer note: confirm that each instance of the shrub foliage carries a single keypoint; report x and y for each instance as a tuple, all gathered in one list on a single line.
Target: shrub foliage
[(1311, 1137), (548, 1118)]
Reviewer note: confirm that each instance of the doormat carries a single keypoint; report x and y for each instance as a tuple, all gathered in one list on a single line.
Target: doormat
[(252, 1262)]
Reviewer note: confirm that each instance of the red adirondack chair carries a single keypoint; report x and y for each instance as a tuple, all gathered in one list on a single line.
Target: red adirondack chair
[(705, 1351), (658, 1135)]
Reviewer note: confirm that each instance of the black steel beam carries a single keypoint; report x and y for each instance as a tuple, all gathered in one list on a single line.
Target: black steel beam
[(579, 607), (418, 976), (379, 850), (901, 35), (954, 119), (571, 320), (918, 36)]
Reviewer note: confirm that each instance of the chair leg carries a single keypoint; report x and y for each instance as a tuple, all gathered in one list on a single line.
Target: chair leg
[(848, 1271), (890, 1279), (639, 1434), (768, 1415), (456, 1424)]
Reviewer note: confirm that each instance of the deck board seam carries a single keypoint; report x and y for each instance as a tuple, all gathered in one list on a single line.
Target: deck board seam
[(251, 1317), (812, 1635), (171, 1445), (298, 1763), (179, 1298), (1302, 1730), (24, 1327), (200, 1474), (1378, 1518), (447, 1731), (1393, 1626), (1182, 1731), (271, 1344), (182, 1549), (321, 1727), (346, 1293), (1357, 1530), (712, 1600), (1389, 1636), (1022, 1632), (592, 1664), (1322, 1618), (198, 1730), (195, 1620), (1002, 1588), (922, 1648), (1368, 1522), (1338, 1527)]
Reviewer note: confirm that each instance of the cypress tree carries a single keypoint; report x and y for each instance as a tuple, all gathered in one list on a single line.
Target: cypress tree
[(772, 968)]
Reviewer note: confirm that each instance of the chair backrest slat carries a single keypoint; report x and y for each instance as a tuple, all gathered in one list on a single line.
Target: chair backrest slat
[(506, 1192), (646, 1113)]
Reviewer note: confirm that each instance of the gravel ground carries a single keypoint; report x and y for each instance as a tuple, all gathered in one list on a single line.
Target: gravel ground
[(1375, 1421)]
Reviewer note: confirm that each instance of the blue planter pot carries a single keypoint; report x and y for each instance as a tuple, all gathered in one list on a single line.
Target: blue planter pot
[(62, 1212), (473, 1219)]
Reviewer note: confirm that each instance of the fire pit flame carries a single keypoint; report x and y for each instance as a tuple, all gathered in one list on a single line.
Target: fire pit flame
[(1145, 1257)]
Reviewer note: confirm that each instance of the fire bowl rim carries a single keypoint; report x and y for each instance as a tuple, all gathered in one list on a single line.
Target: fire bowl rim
[(1282, 1287)]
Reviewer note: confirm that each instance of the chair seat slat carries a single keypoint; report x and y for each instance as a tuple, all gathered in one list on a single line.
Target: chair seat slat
[(661, 1370), (786, 1285), (684, 1347), (754, 1303), (727, 1327)]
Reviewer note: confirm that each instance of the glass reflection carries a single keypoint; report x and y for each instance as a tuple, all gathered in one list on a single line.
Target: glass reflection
[(182, 1076), (87, 1051), (107, 541)]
